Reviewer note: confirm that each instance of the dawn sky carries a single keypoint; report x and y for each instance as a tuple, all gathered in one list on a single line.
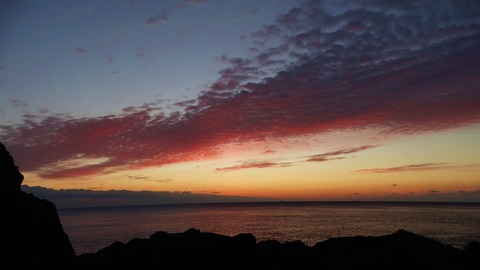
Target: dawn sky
[(291, 100)]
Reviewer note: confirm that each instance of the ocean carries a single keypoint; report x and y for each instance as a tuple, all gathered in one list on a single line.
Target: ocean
[(456, 224)]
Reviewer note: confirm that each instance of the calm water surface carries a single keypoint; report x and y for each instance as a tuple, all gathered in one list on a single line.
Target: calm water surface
[(94, 228)]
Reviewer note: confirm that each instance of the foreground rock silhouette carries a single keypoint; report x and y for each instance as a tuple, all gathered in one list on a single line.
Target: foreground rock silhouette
[(32, 237), (203, 250)]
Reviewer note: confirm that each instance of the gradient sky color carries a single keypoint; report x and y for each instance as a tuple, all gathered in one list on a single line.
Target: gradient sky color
[(288, 100)]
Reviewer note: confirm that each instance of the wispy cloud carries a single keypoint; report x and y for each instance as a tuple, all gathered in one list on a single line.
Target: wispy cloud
[(80, 50), (255, 165), (320, 67), (137, 177), (407, 168), (19, 103), (337, 154), (273, 163), (148, 179), (158, 18)]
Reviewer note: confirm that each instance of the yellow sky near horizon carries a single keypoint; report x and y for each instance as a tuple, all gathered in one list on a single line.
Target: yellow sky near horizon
[(420, 165)]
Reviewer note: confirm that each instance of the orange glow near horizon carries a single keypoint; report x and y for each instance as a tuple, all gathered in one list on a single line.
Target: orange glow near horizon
[(396, 169)]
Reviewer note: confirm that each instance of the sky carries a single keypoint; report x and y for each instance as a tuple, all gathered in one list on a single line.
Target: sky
[(281, 100)]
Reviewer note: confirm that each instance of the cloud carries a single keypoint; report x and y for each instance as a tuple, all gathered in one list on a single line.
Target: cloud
[(399, 68), (19, 103), (80, 50), (62, 171), (321, 158), (185, 103), (75, 198), (158, 18), (334, 155), (43, 110), (407, 168), (137, 177), (253, 165), (161, 180), (146, 178), (337, 77), (140, 51), (433, 195)]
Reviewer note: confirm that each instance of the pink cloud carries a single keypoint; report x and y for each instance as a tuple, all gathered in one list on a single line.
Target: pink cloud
[(281, 106), (395, 75), (75, 172)]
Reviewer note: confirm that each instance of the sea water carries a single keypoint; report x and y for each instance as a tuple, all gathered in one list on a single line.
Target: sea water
[(91, 229)]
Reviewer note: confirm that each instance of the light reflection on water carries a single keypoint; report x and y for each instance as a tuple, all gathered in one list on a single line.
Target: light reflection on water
[(94, 228)]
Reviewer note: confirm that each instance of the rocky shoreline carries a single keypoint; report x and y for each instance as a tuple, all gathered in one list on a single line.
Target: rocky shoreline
[(204, 250), (33, 238)]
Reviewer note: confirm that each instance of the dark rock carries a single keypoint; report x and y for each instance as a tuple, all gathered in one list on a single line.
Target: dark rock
[(201, 250), (176, 251), (32, 236), (471, 256), (10, 178), (401, 250), (473, 246)]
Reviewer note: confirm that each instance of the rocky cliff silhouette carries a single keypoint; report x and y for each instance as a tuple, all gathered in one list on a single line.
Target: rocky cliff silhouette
[(32, 237), (202, 250)]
